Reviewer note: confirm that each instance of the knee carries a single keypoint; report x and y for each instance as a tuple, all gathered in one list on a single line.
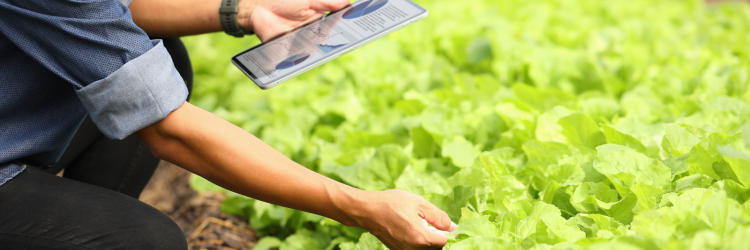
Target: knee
[(157, 231), (144, 227)]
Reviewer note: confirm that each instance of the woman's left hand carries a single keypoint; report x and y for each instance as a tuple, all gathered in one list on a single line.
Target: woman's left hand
[(268, 18)]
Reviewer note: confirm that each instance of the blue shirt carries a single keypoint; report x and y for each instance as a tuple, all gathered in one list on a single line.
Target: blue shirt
[(61, 60)]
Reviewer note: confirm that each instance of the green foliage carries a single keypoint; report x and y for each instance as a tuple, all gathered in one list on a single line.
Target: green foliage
[(541, 124)]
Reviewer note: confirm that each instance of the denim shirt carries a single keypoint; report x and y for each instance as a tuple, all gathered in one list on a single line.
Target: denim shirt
[(61, 60)]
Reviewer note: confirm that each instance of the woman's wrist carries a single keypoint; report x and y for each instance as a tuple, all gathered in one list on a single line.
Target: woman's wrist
[(246, 8), (348, 203)]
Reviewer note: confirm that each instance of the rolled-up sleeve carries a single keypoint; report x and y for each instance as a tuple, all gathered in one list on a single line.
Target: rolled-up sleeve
[(124, 80), (142, 92)]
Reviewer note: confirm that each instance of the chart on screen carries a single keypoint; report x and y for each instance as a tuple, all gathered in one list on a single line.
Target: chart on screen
[(292, 61), (364, 8), (326, 48)]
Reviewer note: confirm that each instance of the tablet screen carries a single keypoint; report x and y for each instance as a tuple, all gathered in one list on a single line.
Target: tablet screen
[(311, 43)]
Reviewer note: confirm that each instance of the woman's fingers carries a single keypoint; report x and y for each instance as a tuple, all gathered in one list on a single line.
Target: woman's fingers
[(435, 237), (328, 5), (436, 217)]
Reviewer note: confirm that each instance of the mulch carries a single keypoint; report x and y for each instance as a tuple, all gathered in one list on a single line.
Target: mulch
[(198, 215)]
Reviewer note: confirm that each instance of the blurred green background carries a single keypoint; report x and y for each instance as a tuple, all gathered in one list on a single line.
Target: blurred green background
[(479, 77)]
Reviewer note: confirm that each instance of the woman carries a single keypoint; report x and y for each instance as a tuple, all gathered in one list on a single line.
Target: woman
[(62, 61)]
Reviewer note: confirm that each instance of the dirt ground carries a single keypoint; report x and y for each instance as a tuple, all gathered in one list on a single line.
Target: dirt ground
[(198, 215)]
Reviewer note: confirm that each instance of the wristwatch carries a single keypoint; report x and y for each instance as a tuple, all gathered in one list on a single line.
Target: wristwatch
[(228, 17)]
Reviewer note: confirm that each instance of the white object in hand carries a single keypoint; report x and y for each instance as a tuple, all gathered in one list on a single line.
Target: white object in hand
[(432, 229)]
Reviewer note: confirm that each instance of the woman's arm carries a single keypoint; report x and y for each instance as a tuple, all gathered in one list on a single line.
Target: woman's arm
[(175, 18), (234, 159), (267, 18)]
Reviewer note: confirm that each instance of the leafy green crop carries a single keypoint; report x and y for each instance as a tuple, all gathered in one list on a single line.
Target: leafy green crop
[(535, 124)]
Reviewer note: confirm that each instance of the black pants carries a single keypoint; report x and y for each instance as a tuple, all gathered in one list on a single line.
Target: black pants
[(95, 205)]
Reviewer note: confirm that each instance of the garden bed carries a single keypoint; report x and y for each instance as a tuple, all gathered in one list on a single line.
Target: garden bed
[(198, 215)]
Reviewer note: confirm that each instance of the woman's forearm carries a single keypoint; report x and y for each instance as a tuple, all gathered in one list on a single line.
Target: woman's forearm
[(175, 18), (234, 159)]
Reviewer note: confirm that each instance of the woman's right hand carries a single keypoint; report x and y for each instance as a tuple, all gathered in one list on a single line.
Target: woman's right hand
[(396, 218)]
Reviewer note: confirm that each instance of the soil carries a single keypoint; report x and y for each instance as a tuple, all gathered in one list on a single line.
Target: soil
[(198, 215)]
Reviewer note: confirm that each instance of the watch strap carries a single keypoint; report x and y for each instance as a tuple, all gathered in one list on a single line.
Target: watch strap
[(228, 18)]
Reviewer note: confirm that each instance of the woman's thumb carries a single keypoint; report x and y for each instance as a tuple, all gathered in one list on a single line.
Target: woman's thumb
[(328, 5), (437, 218)]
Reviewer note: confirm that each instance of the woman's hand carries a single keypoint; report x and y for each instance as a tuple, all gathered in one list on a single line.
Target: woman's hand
[(268, 18), (397, 218)]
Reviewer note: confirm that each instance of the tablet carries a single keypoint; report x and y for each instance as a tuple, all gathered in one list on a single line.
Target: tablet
[(295, 52)]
